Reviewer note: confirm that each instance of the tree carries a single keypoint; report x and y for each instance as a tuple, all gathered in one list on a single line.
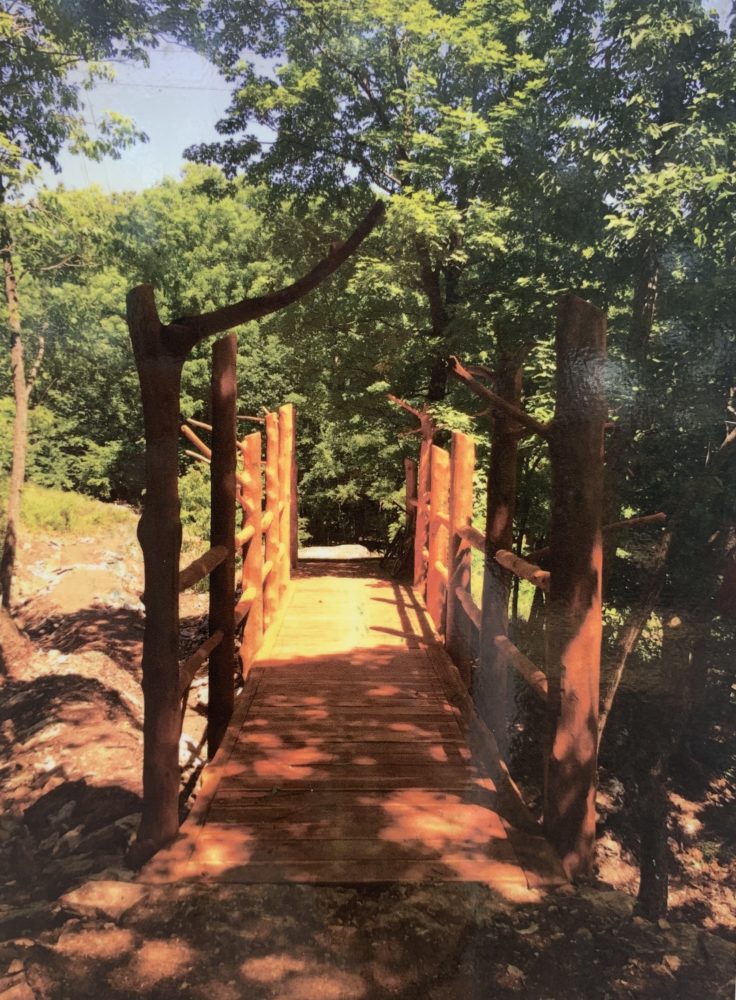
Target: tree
[(43, 44), (420, 99)]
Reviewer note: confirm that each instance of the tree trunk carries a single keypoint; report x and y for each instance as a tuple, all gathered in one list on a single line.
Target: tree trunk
[(646, 283), (20, 423), (670, 722), (654, 860), (15, 647)]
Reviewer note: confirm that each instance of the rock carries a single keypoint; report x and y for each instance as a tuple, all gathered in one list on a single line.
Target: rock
[(584, 934), (69, 841), (609, 902), (16, 988), (102, 899), (719, 951), (27, 920)]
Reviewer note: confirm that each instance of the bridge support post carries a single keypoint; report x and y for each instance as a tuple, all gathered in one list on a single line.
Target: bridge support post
[(421, 524), (437, 574), (252, 577), (574, 616), (285, 476), (492, 689), (462, 467), (271, 522), (159, 532), (222, 532)]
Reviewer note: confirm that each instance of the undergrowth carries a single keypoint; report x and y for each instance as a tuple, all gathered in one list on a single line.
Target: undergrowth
[(45, 509)]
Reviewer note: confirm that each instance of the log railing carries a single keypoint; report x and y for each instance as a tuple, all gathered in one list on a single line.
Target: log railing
[(256, 597), (439, 511), (476, 635), (243, 607)]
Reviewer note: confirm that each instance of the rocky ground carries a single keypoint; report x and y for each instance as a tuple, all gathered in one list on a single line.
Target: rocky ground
[(73, 921)]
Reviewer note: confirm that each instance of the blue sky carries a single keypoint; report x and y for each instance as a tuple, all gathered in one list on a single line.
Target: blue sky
[(177, 101)]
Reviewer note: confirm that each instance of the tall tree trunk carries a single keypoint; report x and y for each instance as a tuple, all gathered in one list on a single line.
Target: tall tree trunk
[(646, 282), (671, 721), (442, 296), (20, 424)]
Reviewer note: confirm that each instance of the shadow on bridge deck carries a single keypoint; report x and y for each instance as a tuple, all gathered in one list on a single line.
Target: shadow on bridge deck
[(346, 760)]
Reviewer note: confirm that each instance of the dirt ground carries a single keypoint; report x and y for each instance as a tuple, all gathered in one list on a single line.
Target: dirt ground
[(73, 922)]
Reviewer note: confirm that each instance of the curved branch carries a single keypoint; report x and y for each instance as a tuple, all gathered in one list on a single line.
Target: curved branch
[(181, 335)]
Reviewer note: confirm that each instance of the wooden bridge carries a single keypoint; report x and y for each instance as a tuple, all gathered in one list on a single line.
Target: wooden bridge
[(352, 756), (355, 750)]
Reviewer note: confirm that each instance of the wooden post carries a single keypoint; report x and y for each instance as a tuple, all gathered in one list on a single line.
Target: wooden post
[(294, 506), (492, 682), (286, 461), (437, 573), (252, 578), (222, 532), (574, 609), (270, 568), (462, 467), (421, 528), (159, 533)]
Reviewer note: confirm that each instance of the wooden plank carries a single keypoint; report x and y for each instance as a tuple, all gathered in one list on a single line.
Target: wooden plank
[(438, 536), (345, 767)]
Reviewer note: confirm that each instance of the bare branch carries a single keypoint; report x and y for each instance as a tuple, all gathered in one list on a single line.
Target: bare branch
[(539, 555), (497, 402)]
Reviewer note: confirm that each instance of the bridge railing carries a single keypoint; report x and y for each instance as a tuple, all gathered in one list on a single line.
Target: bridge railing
[(440, 511), (265, 538)]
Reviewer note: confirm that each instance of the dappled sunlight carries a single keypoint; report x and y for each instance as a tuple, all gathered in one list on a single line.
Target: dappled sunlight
[(271, 968), (438, 818), (298, 979), (106, 942), (383, 691), (351, 766), (161, 959)]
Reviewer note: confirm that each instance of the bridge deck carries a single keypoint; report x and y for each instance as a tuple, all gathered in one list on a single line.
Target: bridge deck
[(346, 760)]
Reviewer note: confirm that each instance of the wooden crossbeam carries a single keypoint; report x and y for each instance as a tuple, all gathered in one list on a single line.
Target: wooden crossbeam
[(201, 567), (191, 665), (521, 568)]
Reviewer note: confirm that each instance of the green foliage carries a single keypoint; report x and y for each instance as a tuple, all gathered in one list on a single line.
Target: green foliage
[(46, 510)]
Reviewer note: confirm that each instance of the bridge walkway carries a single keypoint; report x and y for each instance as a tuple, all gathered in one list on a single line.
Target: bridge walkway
[(349, 760)]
